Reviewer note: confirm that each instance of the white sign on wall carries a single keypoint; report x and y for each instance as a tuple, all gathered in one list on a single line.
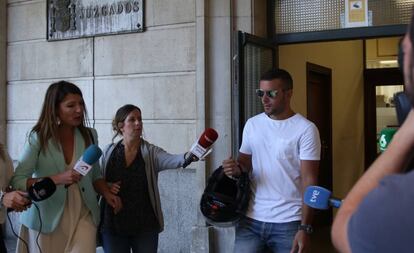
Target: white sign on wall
[(356, 13), (68, 19)]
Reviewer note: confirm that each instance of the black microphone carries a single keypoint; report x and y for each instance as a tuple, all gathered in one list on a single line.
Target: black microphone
[(42, 189), (199, 149)]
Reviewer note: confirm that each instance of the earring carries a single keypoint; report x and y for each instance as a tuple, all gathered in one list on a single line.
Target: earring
[(58, 121)]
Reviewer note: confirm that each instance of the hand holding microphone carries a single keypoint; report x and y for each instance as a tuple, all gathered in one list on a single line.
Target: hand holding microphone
[(40, 190), (200, 149), (320, 198), (82, 166), (16, 200)]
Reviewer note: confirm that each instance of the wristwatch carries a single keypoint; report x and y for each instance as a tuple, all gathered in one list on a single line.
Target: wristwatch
[(307, 228)]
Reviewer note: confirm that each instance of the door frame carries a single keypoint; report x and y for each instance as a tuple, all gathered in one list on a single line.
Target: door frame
[(241, 39), (373, 77), (327, 73)]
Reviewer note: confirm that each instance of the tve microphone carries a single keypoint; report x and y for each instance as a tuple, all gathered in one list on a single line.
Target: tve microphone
[(199, 148), (320, 198), (42, 189), (85, 162)]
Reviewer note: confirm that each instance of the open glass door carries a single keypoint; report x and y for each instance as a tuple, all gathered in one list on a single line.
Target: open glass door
[(252, 57)]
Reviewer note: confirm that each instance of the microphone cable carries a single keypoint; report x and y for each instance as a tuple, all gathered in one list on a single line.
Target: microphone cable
[(40, 228), (38, 233), (15, 234)]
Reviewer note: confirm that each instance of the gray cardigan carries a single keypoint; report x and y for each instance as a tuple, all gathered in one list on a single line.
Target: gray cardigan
[(156, 160)]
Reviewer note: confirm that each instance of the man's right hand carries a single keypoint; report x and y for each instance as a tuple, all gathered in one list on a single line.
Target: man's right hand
[(231, 168)]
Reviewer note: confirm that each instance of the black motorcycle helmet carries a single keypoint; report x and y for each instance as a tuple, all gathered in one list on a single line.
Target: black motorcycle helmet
[(225, 199)]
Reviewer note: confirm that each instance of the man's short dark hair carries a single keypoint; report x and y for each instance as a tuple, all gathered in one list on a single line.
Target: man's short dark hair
[(278, 74)]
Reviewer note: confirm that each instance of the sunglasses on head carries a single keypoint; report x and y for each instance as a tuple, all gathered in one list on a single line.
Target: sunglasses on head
[(269, 93)]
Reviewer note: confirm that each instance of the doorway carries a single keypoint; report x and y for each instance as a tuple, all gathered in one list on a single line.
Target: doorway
[(377, 104), (319, 111)]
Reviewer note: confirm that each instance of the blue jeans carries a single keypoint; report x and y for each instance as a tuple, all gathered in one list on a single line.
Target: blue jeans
[(256, 236), (145, 242)]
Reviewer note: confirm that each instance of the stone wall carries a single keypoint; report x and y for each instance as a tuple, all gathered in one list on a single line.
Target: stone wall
[(155, 70)]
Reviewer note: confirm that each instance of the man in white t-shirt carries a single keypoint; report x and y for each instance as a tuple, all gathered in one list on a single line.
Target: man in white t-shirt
[(281, 151)]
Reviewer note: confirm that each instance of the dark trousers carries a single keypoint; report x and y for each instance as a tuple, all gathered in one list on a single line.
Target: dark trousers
[(145, 242), (2, 244)]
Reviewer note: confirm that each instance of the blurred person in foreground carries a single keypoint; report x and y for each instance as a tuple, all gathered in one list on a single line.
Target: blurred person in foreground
[(377, 214)]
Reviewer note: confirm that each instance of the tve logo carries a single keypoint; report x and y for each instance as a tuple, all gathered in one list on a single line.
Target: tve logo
[(315, 195)]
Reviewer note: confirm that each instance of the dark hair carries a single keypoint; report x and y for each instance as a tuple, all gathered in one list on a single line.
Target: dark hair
[(47, 125), (278, 74), (120, 116)]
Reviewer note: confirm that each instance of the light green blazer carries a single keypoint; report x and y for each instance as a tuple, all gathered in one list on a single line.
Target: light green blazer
[(34, 164)]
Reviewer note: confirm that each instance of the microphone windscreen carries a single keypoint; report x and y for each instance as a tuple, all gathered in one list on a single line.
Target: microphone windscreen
[(92, 154), (317, 197), (208, 138), (42, 189)]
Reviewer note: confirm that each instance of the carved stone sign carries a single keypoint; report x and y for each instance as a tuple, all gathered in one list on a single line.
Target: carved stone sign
[(68, 19)]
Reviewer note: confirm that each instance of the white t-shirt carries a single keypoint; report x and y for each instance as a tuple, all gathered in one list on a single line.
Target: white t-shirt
[(277, 146)]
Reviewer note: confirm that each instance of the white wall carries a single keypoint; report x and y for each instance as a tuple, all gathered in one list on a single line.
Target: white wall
[(3, 52)]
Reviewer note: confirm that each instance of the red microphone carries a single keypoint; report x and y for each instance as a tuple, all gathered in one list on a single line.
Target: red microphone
[(199, 148)]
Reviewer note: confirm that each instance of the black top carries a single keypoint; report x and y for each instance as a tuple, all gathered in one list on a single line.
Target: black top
[(137, 214)]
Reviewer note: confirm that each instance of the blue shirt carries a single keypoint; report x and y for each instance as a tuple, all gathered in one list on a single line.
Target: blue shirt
[(384, 222)]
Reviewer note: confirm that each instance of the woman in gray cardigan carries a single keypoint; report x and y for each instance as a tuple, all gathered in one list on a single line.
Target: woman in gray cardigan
[(132, 165)]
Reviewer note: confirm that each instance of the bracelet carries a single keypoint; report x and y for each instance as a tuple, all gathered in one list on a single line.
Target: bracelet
[(307, 228)]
